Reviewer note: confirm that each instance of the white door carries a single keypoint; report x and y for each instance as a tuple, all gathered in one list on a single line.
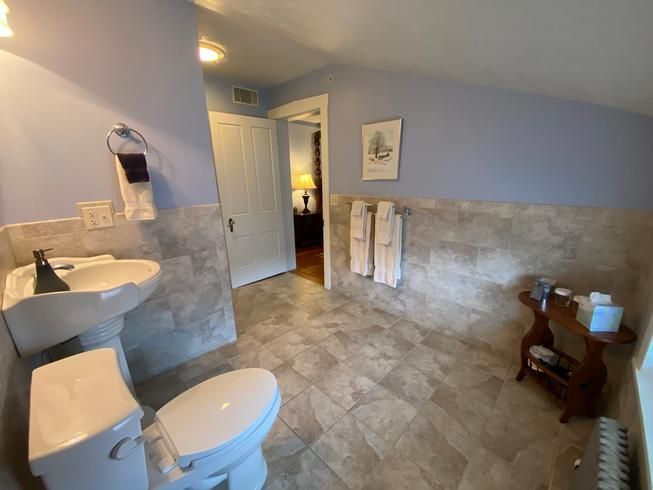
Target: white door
[(247, 164)]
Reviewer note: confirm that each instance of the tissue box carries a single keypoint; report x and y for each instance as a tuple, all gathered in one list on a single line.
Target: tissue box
[(600, 318)]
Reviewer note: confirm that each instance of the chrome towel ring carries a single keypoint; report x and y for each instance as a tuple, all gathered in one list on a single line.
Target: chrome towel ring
[(124, 131)]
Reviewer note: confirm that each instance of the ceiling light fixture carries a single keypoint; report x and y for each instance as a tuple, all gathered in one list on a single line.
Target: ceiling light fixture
[(5, 30), (210, 52)]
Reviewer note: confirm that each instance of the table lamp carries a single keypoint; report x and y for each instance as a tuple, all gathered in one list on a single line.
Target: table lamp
[(305, 182)]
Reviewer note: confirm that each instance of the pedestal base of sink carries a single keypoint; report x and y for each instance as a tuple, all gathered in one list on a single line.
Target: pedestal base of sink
[(107, 334)]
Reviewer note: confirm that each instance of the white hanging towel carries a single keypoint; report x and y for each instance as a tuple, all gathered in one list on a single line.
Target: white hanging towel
[(387, 258), (385, 211), (138, 197), (358, 220), (361, 250)]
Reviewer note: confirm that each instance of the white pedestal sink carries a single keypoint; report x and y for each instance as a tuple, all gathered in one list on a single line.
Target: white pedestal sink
[(102, 290)]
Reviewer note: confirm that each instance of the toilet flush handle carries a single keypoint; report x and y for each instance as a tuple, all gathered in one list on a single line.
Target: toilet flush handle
[(125, 447)]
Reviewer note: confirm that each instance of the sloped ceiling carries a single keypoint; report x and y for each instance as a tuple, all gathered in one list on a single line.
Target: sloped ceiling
[(598, 51)]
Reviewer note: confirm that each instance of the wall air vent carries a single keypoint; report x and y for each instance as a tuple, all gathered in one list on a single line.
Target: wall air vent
[(242, 95)]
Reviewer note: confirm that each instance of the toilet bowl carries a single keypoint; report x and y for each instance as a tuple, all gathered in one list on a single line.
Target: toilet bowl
[(85, 429)]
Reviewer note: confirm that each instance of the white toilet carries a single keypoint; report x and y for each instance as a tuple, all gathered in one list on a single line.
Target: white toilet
[(85, 430)]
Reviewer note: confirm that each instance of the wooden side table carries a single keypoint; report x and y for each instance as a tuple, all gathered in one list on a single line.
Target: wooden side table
[(308, 229), (581, 389)]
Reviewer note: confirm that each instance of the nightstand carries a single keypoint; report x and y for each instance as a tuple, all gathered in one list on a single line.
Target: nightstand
[(308, 229)]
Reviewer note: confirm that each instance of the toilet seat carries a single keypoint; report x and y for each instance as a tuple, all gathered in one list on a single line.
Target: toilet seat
[(216, 415)]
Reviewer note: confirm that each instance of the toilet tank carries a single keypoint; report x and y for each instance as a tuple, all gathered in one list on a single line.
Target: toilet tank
[(84, 425)]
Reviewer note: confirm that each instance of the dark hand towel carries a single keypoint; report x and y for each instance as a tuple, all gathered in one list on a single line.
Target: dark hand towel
[(135, 167)]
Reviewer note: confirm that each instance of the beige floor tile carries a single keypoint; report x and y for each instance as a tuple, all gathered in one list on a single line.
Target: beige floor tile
[(384, 412), (411, 331), (367, 334), (310, 413), (269, 329), (476, 381), (306, 472), (380, 317), (398, 473), (391, 344), (424, 444), (288, 345), (321, 326), (434, 363), (340, 345), (261, 358), (245, 342), (409, 383), (563, 470), (508, 435), (344, 386), (530, 471), (445, 343), (453, 410), (352, 450), (281, 446), (577, 431), (313, 363), (356, 308), (371, 362), (291, 383)]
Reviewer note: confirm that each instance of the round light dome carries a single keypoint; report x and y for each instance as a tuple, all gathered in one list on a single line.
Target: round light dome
[(210, 52)]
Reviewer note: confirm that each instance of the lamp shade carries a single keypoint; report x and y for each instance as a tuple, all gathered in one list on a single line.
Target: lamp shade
[(305, 181), (5, 30)]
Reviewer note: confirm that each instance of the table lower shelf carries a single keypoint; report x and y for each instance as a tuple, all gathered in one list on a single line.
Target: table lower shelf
[(552, 378)]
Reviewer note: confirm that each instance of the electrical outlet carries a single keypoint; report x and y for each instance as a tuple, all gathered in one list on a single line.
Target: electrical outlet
[(97, 214), (333, 199)]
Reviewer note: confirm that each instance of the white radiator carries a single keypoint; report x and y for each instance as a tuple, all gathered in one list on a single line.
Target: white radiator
[(605, 463)]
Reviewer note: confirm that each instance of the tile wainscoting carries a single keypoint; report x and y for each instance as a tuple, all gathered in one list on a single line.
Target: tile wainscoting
[(14, 394), (190, 313), (464, 262)]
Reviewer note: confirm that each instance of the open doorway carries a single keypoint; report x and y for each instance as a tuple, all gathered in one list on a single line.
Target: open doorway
[(304, 148), (309, 182)]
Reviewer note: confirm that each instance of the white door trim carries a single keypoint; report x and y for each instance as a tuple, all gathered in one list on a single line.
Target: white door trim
[(302, 106)]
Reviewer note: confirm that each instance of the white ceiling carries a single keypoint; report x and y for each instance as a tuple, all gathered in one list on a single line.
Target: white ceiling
[(598, 51)]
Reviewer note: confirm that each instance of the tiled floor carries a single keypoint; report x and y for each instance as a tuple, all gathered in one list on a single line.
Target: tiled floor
[(374, 401)]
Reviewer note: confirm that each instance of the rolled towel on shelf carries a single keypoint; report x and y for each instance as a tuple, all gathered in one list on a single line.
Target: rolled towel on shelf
[(358, 220), (385, 212), (138, 196)]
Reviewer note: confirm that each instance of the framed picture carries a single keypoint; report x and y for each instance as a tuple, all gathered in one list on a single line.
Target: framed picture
[(381, 150)]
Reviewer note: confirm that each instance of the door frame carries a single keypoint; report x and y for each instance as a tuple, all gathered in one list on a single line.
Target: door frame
[(302, 106)]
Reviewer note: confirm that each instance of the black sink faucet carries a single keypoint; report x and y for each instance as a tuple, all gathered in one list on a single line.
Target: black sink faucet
[(46, 280)]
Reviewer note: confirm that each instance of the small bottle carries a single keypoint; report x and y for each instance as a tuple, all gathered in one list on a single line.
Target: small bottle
[(46, 280), (546, 292)]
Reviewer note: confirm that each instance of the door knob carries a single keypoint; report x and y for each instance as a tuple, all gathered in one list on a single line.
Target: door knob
[(231, 225)]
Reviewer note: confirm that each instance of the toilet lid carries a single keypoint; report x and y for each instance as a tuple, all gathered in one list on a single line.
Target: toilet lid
[(216, 412)]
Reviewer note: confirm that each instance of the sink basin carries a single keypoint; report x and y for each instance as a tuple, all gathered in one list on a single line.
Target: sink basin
[(102, 289)]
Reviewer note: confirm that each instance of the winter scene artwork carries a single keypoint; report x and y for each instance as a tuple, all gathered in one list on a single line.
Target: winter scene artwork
[(381, 150)]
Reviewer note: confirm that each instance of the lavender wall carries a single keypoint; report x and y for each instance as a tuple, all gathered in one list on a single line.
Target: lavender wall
[(74, 68), (464, 142)]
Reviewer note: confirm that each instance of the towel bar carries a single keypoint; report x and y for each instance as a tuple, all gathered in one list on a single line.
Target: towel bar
[(124, 131), (405, 213)]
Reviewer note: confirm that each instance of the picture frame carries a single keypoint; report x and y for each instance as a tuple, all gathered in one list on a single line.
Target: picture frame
[(381, 150)]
